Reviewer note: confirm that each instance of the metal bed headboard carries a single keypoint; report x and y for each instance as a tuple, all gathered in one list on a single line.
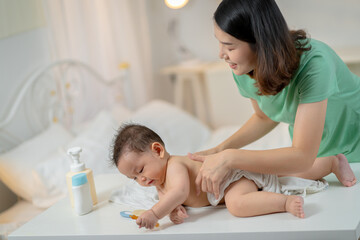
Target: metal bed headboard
[(66, 91)]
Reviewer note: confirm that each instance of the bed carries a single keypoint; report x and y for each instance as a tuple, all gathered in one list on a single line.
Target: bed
[(51, 109), (65, 99)]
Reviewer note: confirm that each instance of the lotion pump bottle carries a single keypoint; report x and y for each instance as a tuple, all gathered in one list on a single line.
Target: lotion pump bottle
[(81, 192), (79, 167)]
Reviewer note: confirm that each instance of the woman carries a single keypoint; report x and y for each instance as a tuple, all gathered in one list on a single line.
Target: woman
[(288, 78)]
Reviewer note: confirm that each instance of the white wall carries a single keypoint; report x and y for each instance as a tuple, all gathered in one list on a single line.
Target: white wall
[(23, 44), (195, 29), (332, 21), (20, 55)]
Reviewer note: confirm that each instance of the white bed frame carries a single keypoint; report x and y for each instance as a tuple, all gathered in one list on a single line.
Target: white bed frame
[(59, 92)]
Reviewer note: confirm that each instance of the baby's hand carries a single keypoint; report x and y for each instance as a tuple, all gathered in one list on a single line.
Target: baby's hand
[(147, 220), (178, 215)]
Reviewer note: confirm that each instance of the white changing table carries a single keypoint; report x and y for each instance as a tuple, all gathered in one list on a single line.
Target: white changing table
[(331, 214)]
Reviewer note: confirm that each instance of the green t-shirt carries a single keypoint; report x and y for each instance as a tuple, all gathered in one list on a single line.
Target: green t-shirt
[(321, 75)]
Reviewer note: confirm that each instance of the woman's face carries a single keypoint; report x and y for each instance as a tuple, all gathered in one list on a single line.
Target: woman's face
[(236, 53)]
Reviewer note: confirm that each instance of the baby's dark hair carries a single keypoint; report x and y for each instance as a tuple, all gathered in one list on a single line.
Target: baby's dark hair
[(133, 137)]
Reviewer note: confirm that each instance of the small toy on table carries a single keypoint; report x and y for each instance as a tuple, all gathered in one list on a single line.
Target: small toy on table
[(134, 215)]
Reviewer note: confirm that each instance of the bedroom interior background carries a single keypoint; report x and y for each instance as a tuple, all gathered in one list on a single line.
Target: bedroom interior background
[(138, 28), (24, 51), (67, 29), (43, 31)]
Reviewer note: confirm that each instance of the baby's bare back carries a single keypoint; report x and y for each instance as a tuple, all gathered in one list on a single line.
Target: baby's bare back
[(193, 167)]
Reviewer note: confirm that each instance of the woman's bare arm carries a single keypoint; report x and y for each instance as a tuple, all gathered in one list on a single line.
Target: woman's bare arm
[(256, 127), (308, 129)]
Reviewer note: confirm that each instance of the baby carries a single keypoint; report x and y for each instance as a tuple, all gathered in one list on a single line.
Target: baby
[(140, 154)]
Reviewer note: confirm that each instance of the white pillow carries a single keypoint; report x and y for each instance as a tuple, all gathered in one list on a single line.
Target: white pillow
[(121, 113), (95, 142), (16, 164), (181, 132)]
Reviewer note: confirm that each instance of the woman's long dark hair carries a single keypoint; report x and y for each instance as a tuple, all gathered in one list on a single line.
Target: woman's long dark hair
[(277, 49)]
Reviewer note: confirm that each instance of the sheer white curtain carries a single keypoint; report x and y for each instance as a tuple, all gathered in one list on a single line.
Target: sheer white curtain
[(104, 33)]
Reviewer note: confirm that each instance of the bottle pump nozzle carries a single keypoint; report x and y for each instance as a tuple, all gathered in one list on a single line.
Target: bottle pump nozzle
[(76, 165)]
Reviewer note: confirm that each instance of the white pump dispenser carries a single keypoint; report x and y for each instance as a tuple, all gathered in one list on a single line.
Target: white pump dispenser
[(76, 165), (79, 167)]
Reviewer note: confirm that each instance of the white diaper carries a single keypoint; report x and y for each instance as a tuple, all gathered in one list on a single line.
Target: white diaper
[(271, 183)]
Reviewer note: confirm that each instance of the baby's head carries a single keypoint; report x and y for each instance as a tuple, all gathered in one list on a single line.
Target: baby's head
[(139, 153)]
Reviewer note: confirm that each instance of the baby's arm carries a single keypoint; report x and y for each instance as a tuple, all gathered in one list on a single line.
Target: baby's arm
[(178, 215), (177, 191)]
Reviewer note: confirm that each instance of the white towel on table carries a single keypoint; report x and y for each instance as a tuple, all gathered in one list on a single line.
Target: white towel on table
[(135, 195)]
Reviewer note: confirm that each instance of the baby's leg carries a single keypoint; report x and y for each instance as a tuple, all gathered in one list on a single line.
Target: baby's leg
[(323, 166), (243, 199)]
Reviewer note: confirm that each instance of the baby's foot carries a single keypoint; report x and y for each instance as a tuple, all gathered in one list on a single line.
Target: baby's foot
[(343, 171), (294, 205)]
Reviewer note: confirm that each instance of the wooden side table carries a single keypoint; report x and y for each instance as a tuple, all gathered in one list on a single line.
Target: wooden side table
[(193, 73)]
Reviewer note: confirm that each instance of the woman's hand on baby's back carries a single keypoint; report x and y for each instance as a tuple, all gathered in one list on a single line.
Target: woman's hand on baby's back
[(212, 173)]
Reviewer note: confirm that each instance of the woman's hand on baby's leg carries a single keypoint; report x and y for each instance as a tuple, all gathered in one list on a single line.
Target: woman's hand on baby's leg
[(178, 215)]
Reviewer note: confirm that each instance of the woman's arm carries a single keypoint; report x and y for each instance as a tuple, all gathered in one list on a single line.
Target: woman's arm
[(308, 129), (256, 127)]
